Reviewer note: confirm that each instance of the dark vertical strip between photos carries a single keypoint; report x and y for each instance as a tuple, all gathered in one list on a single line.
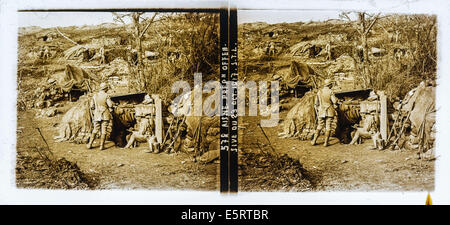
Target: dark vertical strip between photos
[(224, 115), (234, 100)]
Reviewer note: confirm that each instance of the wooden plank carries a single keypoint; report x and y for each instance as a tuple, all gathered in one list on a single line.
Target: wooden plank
[(158, 119), (383, 116)]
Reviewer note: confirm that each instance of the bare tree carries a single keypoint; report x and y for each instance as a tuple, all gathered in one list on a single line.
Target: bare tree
[(140, 26), (365, 24)]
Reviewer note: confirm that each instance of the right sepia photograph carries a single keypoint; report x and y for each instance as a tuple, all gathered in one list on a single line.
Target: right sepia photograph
[(352, 95)]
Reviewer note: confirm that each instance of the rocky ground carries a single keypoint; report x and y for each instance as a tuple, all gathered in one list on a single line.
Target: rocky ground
[(340, 167), (301, 167), (114, 168)]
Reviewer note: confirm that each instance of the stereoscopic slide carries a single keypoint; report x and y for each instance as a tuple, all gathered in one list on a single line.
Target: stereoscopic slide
[(225, 102)]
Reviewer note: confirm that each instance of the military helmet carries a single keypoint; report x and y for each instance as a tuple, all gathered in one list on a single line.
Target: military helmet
[(147, 99)]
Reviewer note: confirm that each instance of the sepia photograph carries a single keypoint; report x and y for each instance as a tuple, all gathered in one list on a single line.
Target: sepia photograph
[(237, 103), (355, 97), (97, 101)]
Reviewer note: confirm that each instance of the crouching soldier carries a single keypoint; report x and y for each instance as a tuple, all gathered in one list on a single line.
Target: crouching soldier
[(324, 104), (101, 106), (145, 130), (370, 123)]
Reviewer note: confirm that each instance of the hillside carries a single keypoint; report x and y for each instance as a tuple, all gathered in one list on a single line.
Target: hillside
[(395, 50)]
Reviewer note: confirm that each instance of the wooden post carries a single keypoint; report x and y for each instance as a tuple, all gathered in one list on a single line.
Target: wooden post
[(158, 119), (383, 116)]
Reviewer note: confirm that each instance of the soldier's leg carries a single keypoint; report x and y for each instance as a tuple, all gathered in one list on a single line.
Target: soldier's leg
[(130, 141), (104, 127), (150, 146), (380, 141), (318, 129), (355, 137), (109, 129), (155, 143), (93, 134), (376, 140), (328, 121)]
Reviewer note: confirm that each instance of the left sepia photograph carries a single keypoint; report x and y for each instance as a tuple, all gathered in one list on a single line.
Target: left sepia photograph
[(100, 104)]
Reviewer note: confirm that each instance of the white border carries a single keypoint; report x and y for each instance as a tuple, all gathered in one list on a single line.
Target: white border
[(10, 195)]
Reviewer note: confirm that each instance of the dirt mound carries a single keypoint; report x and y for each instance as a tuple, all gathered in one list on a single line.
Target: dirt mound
[(263, 172), (35, 172)]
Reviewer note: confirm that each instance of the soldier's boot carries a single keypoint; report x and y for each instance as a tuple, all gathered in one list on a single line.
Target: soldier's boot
[(130, 142), (374, 142), (327, 137), (156, 149), (316, 135), (102, 142), (354, 139), (150, 147), (91, 140)]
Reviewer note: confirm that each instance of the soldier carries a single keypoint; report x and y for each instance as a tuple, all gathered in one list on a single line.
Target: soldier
[(46, 53), (369, 129), (102, 55), (101, 105), (271, 49), (324, 104), (328, 50), (145, 127), (370, 124)]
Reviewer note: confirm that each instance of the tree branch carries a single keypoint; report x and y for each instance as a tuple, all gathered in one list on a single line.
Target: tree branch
[(372, 23), (67, 38), (148, 25), (118, 17)]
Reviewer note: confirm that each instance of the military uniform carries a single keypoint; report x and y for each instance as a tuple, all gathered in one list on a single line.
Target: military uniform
[(145, 116), (324, 104), (328, 50), (101, 106), (102, 55), (370, 119)]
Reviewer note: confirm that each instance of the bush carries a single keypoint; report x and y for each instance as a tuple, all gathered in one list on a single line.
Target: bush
[(398, 75)]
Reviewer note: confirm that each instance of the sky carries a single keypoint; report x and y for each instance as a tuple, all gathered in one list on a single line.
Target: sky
[(289, 16), (63, 19)]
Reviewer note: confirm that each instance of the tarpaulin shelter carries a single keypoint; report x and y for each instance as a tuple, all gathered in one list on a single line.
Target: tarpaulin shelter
[(301, 73), (203, 132), (419, 108), (77, 50), (76, 77), (76, 124), (301, 120)]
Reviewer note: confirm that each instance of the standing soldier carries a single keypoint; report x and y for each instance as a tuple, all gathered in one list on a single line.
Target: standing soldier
[(46, 53), (101, 105), (102, 54), (324, 104), (328, 50), (271, 49)]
